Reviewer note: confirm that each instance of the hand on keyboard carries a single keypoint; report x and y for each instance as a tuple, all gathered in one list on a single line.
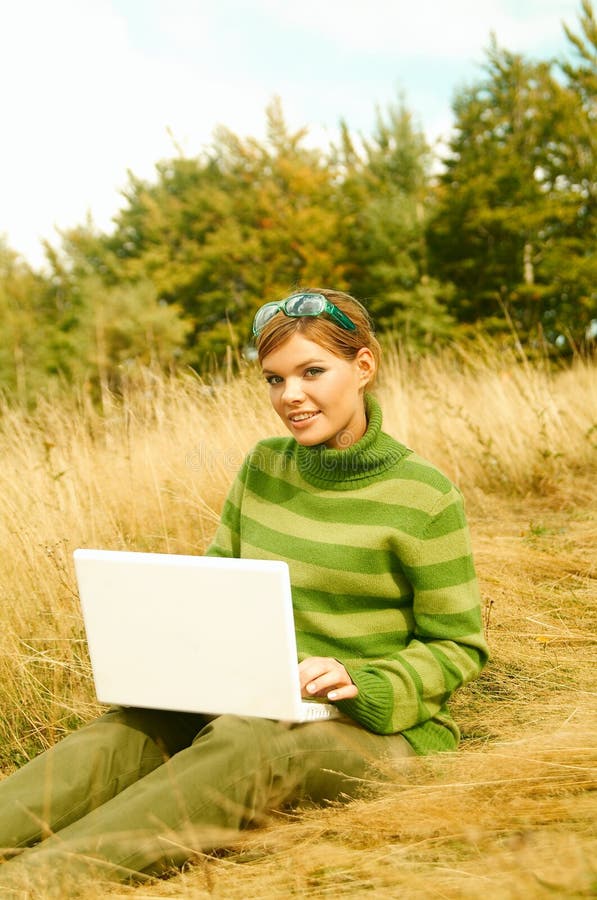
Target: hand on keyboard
[(323, 676)]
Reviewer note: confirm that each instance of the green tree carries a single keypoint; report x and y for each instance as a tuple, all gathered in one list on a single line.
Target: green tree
[(218, 234), (573, 173), (281, 231), (384, 199), (512, 230), (26, 355), (123, 327)]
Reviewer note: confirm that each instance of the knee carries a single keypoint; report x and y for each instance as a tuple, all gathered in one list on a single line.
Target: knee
[(109, 729), (170, 731), (246, 737), (133, 717)]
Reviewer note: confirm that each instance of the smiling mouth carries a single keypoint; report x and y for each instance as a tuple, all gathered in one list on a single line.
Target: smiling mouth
[(303, 417)]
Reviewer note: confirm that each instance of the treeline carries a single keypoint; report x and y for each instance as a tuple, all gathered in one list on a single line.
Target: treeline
[(502, 239)]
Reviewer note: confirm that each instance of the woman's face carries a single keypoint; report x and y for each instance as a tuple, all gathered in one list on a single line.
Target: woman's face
[(318, 395)]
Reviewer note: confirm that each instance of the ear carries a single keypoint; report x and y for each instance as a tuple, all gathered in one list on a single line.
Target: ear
[(366, 367)]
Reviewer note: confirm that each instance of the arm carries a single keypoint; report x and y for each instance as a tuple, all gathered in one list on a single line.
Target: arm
[(324, 676), (446, 649), (226, 541)]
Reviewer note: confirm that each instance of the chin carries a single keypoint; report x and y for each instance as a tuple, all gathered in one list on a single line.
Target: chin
[(309, 442)]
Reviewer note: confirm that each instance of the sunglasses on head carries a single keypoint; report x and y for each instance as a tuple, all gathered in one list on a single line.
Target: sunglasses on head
[(298, 305)]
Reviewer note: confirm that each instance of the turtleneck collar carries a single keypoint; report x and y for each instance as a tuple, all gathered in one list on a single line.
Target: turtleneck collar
[(348, 468)]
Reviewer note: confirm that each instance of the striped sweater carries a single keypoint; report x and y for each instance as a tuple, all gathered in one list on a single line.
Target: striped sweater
[(381, 571)]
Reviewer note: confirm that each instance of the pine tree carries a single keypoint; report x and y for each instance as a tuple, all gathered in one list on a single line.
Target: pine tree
[(514, 229), (384, 201)]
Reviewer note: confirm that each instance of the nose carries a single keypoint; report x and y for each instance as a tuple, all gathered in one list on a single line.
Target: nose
[(293, 390)]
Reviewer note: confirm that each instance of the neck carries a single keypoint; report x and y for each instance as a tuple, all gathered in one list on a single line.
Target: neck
[(346, 438), (345, 467)]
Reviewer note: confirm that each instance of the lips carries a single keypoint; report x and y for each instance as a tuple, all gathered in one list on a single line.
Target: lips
[(296, 418)]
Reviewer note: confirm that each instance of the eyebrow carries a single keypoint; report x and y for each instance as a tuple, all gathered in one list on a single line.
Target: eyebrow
[(302, 365)]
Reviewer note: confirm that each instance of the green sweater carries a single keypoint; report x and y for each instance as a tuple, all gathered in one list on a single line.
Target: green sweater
[(381, 571)]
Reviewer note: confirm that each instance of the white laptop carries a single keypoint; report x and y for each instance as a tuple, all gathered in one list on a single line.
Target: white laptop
[(192, 633)]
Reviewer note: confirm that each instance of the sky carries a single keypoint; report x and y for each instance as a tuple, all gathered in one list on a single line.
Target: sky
[(94, 88)]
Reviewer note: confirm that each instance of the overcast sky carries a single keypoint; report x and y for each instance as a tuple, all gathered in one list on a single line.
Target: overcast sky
[(91, 88)]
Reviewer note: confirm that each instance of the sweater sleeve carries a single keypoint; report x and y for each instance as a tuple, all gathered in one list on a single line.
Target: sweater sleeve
[(226, 541), (446, 649)]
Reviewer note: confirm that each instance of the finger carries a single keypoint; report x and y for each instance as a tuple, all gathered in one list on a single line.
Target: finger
[(325, 682), (344, 693), (313, 668), (321, 676), (335, 676)]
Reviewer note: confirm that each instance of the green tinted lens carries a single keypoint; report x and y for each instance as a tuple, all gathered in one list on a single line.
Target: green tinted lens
[(263, 316), (298, 305), (304, 305)]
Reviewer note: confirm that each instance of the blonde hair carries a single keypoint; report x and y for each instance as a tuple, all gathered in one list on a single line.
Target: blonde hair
[(323, 330)]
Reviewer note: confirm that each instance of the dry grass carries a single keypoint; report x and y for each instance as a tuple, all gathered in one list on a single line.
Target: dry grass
[(512, 813)]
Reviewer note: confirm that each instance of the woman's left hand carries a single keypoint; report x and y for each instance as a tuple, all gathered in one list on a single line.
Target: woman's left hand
[(323, 676)]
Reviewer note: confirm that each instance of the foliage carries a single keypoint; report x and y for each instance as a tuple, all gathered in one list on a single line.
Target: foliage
[(383, 195), (502, 240), (516, 224), (218, 233), (26, 333)]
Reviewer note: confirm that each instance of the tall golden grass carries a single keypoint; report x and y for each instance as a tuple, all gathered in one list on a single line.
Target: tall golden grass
[(512, 813)]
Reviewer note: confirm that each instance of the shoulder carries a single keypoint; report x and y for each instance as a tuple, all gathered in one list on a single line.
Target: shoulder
[(275, 444), (271, 448), (271, 456), (416, 481), (418, 469)]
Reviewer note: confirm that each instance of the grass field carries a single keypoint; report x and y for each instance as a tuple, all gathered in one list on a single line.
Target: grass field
[(513, 813)]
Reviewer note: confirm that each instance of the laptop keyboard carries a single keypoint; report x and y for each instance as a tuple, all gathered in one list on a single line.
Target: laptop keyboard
[(313, 711)]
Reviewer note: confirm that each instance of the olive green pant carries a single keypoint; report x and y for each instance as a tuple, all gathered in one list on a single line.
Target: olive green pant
[(138, 791)]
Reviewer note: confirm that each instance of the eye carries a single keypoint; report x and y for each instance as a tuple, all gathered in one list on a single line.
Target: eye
[(314, 371), (273, 379)]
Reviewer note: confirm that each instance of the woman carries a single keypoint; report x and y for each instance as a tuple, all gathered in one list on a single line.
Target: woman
[(386, 612)]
